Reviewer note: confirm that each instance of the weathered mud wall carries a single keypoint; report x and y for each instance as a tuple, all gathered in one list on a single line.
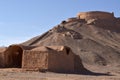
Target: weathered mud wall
[(61, 61), (13, 56), (95, 14), (35, 60)]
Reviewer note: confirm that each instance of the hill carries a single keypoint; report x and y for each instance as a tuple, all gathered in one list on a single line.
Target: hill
[(94, 36)]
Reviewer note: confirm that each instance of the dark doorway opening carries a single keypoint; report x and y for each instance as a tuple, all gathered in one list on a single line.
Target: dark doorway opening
[(13, 56)]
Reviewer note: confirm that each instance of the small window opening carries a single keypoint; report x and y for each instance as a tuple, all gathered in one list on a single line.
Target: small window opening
[(67, 51)]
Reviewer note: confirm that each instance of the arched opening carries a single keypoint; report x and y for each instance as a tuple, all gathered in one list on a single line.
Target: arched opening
[(13, 56)]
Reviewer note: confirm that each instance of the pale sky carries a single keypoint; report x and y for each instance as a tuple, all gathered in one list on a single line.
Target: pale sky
[(21, 20)]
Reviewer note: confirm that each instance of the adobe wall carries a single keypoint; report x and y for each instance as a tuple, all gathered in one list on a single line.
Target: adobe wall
[(95, 15), (35, 60), (2, 60), (61, 62), (2, 49)]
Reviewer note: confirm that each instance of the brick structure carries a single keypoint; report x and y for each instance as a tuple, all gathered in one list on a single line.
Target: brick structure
[(52, 58)]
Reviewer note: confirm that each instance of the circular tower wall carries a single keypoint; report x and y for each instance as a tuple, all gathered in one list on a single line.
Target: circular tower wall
[(95, 15)]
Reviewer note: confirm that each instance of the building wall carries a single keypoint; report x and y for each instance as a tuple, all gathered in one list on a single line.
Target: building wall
[(35, 60), (2, 60), (61, 62)]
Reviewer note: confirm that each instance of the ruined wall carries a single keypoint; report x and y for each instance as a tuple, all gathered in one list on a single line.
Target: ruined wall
[(35, 60), (61, 62), (95, 14), (2, 63), (13, 56), (72, 19), (118, 22), (1, 60), (52, 58)]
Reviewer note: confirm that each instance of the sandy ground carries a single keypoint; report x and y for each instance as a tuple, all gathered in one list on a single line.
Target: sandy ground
[(19, 74)]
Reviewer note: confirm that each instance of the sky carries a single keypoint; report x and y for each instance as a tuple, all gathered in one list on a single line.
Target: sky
[(20, 20)]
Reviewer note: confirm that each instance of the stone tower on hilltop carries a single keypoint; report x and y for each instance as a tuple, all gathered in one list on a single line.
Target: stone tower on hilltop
[(95, 14)]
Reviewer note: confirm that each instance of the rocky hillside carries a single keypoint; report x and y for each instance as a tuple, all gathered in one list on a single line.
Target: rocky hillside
[(94, 36)]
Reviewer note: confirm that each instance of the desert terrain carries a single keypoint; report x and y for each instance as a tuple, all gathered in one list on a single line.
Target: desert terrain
[(93, 36), (102, 73)]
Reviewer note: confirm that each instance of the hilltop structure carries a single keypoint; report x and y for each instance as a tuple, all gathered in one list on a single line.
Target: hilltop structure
[(95, 15)]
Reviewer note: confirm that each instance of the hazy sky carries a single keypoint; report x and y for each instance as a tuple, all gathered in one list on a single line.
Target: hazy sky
[(21, 20)]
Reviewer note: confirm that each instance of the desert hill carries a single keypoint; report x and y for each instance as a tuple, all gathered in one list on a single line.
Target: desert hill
[(94, 36)]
